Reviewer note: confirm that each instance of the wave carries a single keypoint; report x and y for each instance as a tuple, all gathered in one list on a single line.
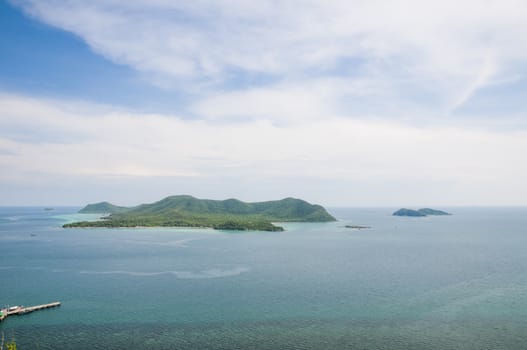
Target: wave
[(203, 274), (29, 268)]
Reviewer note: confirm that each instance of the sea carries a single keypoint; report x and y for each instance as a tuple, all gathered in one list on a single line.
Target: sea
[(437, 282)]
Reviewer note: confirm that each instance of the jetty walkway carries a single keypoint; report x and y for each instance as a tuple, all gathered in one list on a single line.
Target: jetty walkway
[(20, 310)]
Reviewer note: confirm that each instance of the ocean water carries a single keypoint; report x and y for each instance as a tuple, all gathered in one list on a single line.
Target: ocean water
[(456, 282)]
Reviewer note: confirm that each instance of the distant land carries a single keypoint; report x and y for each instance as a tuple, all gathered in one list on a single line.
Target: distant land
[(420, 212), (102, 208), (188, 211), (357, 227)]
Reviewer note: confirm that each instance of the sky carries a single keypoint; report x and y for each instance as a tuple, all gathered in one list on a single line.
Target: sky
[(342, 103)]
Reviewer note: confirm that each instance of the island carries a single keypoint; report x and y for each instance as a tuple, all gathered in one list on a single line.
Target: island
[(419, 213), (357, 227), (102, 208), (188, 211)]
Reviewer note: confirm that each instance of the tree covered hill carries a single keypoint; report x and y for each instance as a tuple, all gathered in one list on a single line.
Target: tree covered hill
[(101, 208), (420, 212), (188, 211)]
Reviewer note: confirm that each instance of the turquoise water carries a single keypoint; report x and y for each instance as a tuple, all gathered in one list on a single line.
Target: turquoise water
[(456, 282)]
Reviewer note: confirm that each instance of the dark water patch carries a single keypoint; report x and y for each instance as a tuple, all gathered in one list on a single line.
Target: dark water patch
[(282, 334)]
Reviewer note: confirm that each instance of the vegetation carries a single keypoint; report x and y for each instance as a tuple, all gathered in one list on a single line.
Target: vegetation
[(101, 208), (428, 211), (420, 212), (187, 211), (408, 212)]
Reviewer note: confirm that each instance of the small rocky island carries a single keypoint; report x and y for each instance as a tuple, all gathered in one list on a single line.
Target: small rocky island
[(420, 212), (188, 211), (357, 227)]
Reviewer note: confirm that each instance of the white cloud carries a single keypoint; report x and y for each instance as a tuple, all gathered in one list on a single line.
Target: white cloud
[(321, 88), (450, 48), (483, 166), (288, 102)]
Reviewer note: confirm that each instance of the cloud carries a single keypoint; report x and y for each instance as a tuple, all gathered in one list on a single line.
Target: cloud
[(338, 101), (288, 102), (431, 53), (378, 155), (483, 78)]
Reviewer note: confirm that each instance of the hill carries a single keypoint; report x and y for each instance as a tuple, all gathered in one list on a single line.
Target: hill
[(188, 211), (420, 212), (428, 211), (408, 212), (101, 208)]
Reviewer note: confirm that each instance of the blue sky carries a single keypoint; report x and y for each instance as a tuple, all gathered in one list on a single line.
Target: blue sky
[(42, 60), (375, 103)]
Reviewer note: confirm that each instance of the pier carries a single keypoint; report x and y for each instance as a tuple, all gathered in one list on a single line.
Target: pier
[(21, 310)]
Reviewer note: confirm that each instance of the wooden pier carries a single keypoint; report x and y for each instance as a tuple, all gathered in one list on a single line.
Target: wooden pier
[(21, 310)]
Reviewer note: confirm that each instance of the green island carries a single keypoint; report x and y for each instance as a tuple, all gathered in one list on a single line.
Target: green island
[(419, 213), (188, 211)]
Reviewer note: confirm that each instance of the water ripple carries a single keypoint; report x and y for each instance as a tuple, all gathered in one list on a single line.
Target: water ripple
[(203, 274)]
